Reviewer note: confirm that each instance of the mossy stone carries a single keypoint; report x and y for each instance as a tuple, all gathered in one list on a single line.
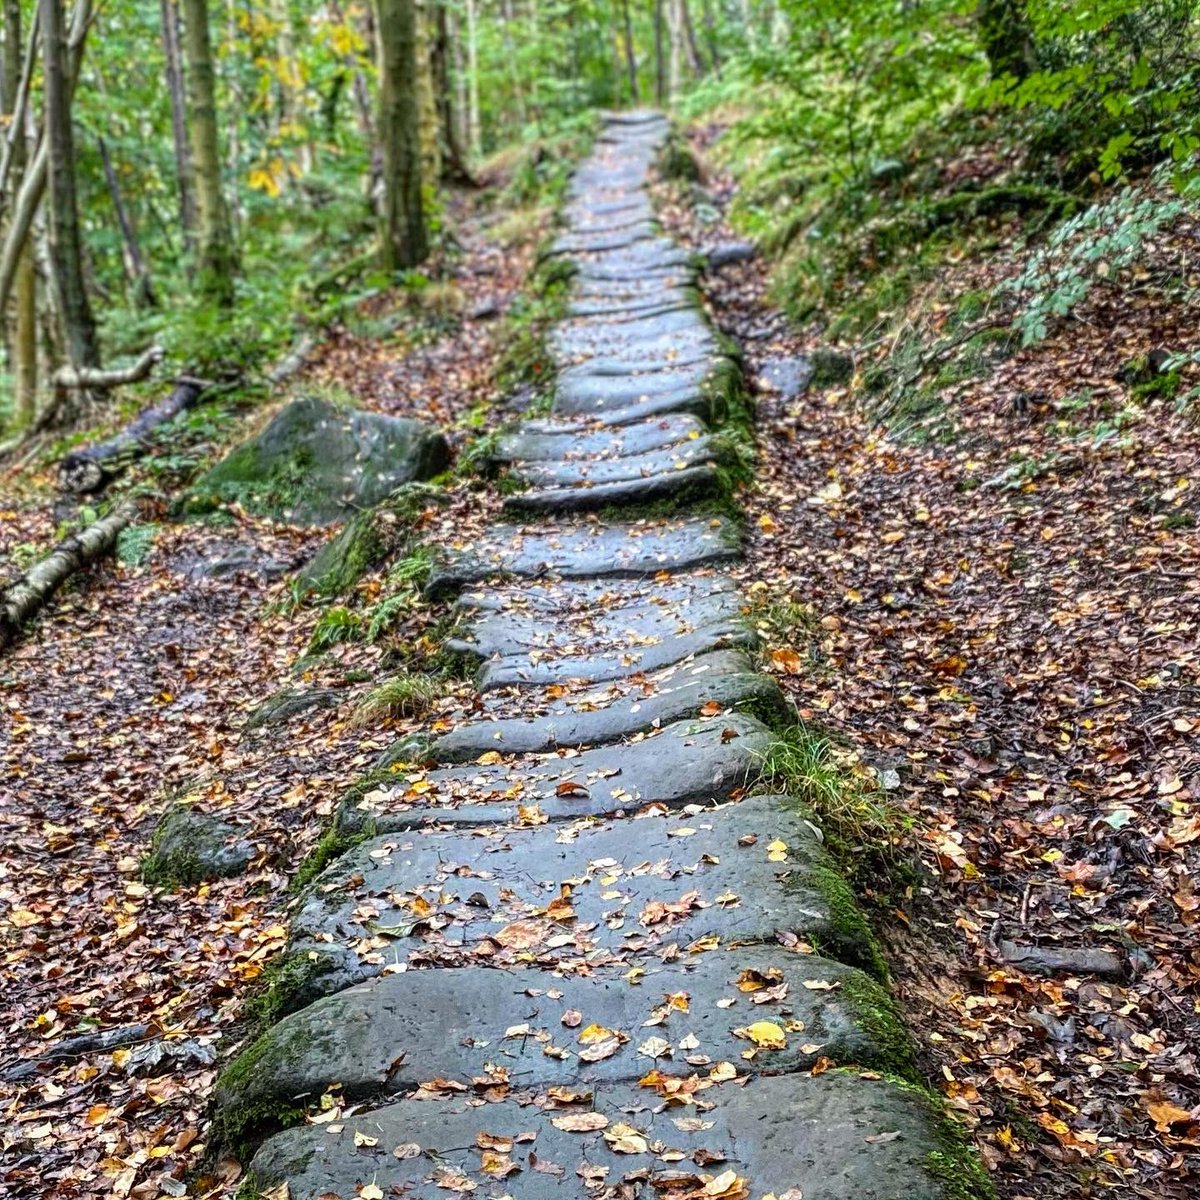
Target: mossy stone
[(191, 847), (317, 462)]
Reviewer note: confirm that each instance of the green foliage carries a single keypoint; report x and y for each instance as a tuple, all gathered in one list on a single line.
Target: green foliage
[(404, 695), (335, 625), (135, 544)]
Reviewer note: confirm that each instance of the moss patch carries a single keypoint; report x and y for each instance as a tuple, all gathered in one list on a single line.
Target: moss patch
[(853, 940), (876, 1014)]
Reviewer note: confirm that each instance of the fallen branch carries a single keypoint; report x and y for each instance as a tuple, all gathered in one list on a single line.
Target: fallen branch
[(73, 378), (90, 468), (1059, 960), (75, 1047), (29, 594)]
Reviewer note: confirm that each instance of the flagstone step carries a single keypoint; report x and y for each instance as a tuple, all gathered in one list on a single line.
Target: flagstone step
[(703, 761), (837, 1136), (583, 550), (577, 897), (534, 1029), (532, 719)]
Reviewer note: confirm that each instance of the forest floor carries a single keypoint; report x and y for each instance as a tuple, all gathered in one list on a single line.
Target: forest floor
[(999, 615), (134, 690)]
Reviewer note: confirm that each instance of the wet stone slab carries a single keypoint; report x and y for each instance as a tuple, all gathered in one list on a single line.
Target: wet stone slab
[(585, 713), (699, 1010), (690, 483), (577, 469), (689, 762), (583, 550), (833, 1137), (594, 634), (576, 897)]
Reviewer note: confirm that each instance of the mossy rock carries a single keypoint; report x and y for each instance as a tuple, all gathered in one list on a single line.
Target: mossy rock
[(287, 703), (317, 463), (829, 367), (191, 847), (368, 539)]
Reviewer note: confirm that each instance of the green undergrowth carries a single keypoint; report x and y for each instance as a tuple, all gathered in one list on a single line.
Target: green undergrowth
[(405, 695)]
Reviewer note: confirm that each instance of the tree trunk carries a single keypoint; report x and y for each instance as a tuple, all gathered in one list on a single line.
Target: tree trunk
[(427, 101), (135, 265), (695, 62), (78, 325), (454, 160), (675, 50), (29, 594), (660, 74), (474, 125), (1007, 37), (401, 220), (179, 133), (216, 256), (630, 54), (459, 109), (710, 36)]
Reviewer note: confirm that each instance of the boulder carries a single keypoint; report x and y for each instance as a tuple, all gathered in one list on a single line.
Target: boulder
[(317, 462), (191, 847)]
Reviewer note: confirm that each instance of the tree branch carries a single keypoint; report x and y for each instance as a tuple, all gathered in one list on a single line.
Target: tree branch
[(74, 378)]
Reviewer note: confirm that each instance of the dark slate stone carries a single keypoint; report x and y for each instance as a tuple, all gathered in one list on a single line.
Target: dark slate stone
[(596, 635), (581, 470), (593, 715), (384, 1037), (358, 917), (546, 440), (689, 762), (692, 483), (585, 550), (833, 1137)]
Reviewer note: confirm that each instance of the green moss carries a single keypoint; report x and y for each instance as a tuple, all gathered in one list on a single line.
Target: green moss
[(179, 868), (876, 1014), (335, 841), (286, 986), (852, 939), (241, 1117), (242, 478)]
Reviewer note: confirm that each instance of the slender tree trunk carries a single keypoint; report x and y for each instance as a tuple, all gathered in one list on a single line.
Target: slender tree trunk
[(1007, 37), (427, 106), (507, 20), (710, 36), (660, 74), (695, 62), (675, 50), (217, 259), (402, 224), (454, 160), (79, 326), (135, 265), (179, 133), (459, 109), (22, 328), (630, 54), (474, 125)]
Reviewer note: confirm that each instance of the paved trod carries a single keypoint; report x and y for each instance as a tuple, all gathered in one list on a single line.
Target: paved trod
[(580, 956)]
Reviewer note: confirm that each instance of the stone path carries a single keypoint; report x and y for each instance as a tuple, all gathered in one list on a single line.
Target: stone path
[(580, 957)]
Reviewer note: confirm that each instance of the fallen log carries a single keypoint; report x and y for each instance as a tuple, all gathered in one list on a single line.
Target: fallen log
[(25, 598), (90, 468)]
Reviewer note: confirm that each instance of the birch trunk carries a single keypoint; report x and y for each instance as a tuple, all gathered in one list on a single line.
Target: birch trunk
[(474, 126)]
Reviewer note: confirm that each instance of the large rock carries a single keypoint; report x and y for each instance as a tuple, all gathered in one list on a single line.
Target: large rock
[(316, 463), (191, 847)]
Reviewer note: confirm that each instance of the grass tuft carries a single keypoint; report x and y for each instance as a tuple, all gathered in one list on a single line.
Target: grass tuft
[(406, 695)]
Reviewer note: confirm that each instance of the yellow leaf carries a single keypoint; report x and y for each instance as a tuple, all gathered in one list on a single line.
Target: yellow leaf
[(764, 1034)]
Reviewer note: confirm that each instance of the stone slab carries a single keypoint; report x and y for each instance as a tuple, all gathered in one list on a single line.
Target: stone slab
[(833, 1137), (591, 714), (701, 761), (377, 1039), (576, 469), (580, 549), (455, 898), (546, 441), (692, 483)]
